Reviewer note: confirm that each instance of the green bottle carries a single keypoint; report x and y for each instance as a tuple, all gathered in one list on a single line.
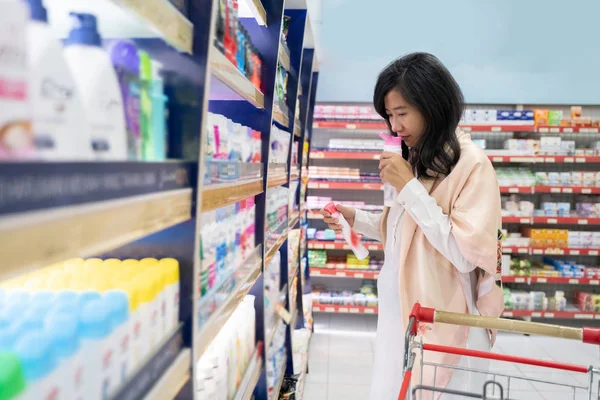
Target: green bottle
[(12, 381), (146, 106)]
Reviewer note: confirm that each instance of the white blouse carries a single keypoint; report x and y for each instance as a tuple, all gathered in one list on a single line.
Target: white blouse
[(389, 345)]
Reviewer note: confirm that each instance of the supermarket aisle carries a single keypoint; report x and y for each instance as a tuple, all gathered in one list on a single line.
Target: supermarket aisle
[(341, 354)]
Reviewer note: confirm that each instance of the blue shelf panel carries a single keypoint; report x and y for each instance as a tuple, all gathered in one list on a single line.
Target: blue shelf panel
[(37, 186)]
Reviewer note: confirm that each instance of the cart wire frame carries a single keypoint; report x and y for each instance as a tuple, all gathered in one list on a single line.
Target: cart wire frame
[(412, 344)]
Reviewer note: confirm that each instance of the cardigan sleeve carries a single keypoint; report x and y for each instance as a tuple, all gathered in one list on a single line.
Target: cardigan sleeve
[(367, 224)]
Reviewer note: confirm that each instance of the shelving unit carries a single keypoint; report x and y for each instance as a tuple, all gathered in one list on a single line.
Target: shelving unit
[(51, 212)]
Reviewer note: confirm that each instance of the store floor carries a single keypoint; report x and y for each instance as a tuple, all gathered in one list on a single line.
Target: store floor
[(341, 361)]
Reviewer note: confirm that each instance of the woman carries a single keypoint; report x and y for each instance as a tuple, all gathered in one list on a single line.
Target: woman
[(441, 236)]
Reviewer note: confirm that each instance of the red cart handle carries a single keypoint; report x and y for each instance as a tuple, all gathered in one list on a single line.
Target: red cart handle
[(430, 315)]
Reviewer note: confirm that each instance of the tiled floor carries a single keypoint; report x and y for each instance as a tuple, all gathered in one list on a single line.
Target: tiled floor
[(341, 360)]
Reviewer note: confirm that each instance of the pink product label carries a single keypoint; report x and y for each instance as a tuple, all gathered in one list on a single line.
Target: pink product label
[(52, 394), (13, 90), (124, 345)]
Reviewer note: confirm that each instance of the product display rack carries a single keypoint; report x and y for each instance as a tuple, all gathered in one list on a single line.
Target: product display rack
[(50, 212), (365, 190)]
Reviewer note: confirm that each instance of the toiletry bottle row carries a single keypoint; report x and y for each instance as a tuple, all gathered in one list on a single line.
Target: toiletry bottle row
[(221, 368), (277, 207), (80, 101), (80, 328)]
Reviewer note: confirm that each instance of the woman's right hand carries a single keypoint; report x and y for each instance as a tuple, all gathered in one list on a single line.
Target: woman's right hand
[(348, 213)]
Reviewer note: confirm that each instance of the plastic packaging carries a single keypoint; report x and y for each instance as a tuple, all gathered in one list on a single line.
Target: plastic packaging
[(16, 137), (391, 144), (98, 87), (351, 237), (12, 381)]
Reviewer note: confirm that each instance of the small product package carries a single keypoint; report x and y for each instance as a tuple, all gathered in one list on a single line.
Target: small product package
[(392, 144), (351, 237)]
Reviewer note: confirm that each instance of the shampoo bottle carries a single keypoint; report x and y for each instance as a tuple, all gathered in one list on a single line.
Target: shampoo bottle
[(349, 235), (98, 87)]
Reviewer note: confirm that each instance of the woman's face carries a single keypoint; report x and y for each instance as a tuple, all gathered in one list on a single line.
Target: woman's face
[(406, 121)]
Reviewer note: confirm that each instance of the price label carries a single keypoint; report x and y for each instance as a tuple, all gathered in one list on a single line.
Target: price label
[(567, 190), (593, 252), (315, 272), (536, 315), (580, 159), (369, 311), (376, 156), (318, 246), (544, 130), (523, 250), (350, 126), (568, 130), (373, 247), (574, 281), (524, 220), (330, 309), (342, 274), (583, 316), (549, 315), (594, 282), (552, 221), (554, 190), (317, 154), (550, 160), (542, 280), (592, 130), (354, 310), (496, 129), (343, 309), (466, 128), (586, 191), (359, 276), (555, 130), (582, 222), (569, 159), (520, 280), (498, 159), (330, 246), (513, 190), (508, 314), (323, 186), (574, 252)]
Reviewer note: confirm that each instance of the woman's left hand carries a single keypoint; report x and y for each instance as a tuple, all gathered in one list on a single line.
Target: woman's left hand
[(395, 170)]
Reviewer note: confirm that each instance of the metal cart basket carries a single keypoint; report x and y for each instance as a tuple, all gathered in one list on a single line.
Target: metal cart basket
[(497, 385)]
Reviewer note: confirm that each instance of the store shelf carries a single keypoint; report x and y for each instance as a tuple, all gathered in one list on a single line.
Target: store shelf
[(551, 221), (223, 300), (551, 280), (126, 19), (516, 250), (499, 128), (551, 251), (346, 185), (277, 180), (330, 245), (344, 155), (550, 314), (284, 58), (277, 387), (382, 126), (566, 129), (280, 117), (251, 376), (221, 195), (327, 308), (567, 189), (37, 239), (164, 371), (521, 159), (293, 222), (232, 78), (270, 253), (344, 273), (173, 379)]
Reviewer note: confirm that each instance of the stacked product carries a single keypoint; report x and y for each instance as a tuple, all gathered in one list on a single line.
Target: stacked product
[(300, 343), (515, 240), (317, 203), (220, 370), (552, 268), (327, 173), (346, 113), (534, 301), (365, 297), (274, 363), (82, 327), (562, 238), (500, 117), (277, 211), (555, 118), (573, 178), (586, 301), (321, 259), (294, 251), (515, 177), (101, 104), (233, 40), (356, 144), (227, 239), (280, 145), (227, 144), (272, 281)]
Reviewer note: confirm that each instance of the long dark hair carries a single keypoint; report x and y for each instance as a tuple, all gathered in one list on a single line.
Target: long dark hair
[(428, 86)]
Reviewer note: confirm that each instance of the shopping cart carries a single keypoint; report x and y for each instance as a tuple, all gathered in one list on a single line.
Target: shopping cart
[(494, 387)]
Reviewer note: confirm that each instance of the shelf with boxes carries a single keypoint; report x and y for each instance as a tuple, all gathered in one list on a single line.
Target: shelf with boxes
[(192, 215)]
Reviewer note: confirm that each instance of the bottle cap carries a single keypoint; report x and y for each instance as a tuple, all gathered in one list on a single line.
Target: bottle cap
[(62, 329), (389, 140), (94, 321), (330, 208), (118, 305), (73, 264), (12, 380), (148, 262), (43, 297), (17, 296), (9, 334), (38, 11), (34, 316), (84, 30), (87, 296), (124, 54), (171, 266), (12, 312), (66, 296), (145, 66), (34, 350)]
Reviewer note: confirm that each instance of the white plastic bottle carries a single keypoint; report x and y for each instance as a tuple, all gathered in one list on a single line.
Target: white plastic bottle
[(98, 88), (58, 118), (118, 304), (391, 144), (171, 267), (351, 237), (16, 137)]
